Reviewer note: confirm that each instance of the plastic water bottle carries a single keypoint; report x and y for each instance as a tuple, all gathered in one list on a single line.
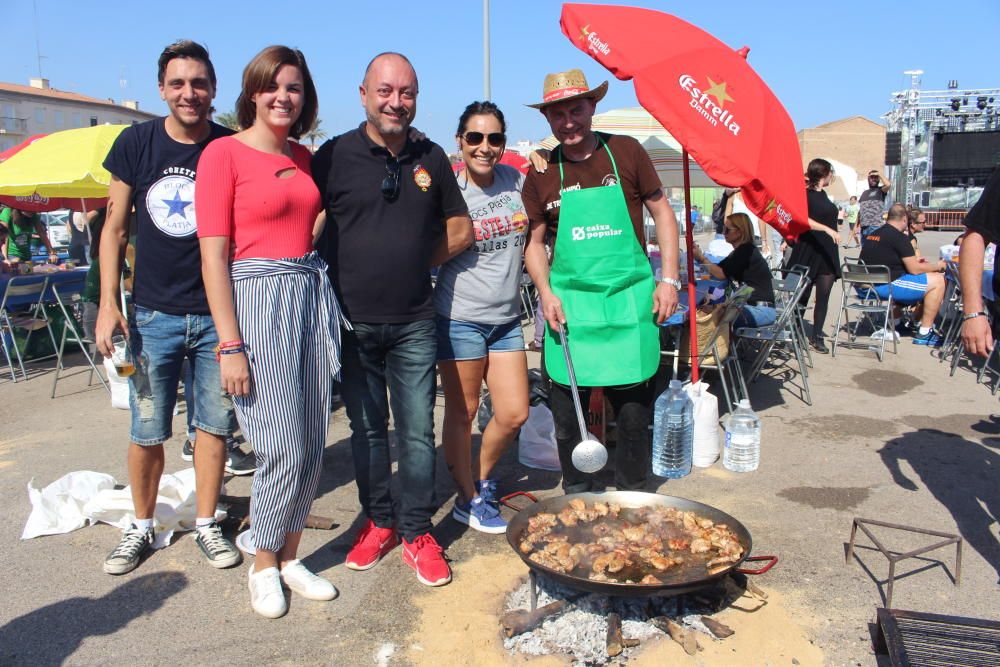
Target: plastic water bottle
[(742, 450), (673, 432)]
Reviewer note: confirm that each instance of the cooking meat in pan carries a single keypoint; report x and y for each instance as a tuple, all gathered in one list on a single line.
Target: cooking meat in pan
[(646, 545)]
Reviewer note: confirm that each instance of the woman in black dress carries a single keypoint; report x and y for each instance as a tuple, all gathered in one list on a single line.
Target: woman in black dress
[(817, 249)]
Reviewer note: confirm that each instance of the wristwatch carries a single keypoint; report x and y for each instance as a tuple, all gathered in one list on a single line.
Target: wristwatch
[(972, 316), (673, 282)]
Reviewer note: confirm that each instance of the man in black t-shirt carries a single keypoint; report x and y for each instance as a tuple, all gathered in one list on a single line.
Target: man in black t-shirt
[(914, 280), (983, 224), (393, 211), (871, 204), (152, 167)]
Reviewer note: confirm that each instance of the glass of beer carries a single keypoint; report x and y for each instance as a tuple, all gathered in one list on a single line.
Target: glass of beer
[(121, 357)]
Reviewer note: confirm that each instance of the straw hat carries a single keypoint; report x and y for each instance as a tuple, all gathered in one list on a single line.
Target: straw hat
[(568, 85)]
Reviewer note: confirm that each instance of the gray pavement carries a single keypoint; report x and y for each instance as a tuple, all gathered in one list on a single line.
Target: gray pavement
[(897, 440)]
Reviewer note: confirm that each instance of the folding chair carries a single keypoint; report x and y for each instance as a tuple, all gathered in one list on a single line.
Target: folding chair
[(860, 297), (21, 292), (951, 311), (69, 296), (783, 332), (527, 291), (784, 284), (735, 388)]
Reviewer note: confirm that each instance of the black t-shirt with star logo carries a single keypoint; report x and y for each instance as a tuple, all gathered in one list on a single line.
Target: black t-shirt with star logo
[(379, 249), (161, 173)]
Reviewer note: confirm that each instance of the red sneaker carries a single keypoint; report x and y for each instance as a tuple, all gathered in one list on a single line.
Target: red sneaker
[(371, 544), (426, 556)]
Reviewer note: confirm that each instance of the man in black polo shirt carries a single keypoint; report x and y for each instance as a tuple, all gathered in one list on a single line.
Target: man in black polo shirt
[(394, 210), (914, 279)]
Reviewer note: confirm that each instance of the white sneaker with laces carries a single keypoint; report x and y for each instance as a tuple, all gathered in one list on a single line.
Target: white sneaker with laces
[(305, 583), (266, 596)]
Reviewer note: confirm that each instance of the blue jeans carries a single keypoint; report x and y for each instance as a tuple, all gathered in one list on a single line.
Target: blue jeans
[(160, 342), (400, 358)]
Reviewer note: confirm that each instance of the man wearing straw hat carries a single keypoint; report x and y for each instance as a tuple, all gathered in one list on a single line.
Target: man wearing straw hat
[(600, 286)]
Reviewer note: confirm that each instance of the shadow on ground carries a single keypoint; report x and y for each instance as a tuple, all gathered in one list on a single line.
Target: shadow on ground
[(962, 476), (51, 634)]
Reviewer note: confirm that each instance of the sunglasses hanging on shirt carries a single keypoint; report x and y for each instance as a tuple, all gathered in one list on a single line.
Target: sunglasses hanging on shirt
[(390, 184)]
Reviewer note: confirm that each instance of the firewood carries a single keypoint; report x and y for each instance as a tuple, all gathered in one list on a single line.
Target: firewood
[(521, 620), (718, 629), (677, 633), (615, 641)]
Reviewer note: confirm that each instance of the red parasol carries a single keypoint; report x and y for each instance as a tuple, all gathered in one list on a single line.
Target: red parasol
[(707, 96), (39, 204)]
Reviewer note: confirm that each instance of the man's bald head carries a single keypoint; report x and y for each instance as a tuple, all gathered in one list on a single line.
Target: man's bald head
[(387, 56)]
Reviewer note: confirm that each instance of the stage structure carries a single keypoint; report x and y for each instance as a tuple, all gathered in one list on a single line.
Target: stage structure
[(941, 145)]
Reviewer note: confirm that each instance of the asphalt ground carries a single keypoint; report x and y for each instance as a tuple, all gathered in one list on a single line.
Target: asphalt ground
[(898, 440)]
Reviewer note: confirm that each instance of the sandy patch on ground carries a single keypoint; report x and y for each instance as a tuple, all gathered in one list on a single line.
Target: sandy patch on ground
[(459, 624)]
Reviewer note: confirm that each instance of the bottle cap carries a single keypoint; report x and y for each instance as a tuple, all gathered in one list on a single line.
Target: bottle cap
[(675, 384), (744, 403)]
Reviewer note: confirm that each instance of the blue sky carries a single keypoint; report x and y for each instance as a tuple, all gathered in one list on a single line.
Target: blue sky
[(823, 60)]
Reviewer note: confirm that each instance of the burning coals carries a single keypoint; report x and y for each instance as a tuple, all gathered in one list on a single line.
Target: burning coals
[(596, 629)]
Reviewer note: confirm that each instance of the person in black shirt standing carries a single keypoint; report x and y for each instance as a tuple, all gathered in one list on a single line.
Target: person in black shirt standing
[(871, 204), (914, 279), (746, 265), (393, 211), (983, 225), (817, 249)]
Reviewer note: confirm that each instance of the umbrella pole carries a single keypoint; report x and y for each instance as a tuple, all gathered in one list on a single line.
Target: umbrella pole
[(692, 304)]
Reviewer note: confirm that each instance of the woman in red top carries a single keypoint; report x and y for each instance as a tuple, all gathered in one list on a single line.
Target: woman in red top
[(278, 319)]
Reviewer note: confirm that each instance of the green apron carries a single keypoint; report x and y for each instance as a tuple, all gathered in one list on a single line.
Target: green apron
[(606, 285)]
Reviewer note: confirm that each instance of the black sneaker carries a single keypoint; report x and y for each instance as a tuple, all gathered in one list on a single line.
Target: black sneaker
[(187, 451), (219, 551), (126, 556), (819, 346), (239, 463)]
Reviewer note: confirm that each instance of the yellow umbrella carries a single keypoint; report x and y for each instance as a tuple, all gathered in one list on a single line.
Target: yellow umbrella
[(62, 164)]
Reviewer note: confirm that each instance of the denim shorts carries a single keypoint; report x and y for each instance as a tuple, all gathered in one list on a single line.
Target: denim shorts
[(752, 315), (160, 342), (464, 341)]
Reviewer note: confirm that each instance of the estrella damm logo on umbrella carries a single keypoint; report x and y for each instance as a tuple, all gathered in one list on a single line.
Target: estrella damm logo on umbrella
[(701, 101), (593, 42)]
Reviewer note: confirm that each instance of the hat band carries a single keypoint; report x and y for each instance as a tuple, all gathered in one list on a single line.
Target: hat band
[(560, 93)]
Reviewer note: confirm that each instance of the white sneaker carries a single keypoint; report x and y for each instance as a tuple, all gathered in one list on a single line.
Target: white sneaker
[(305, 583), (884, 333), (266, 596)]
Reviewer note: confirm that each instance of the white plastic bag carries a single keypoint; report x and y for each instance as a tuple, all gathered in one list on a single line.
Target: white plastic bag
[(119, 386), (536, 446), (706, 424), (59, 507)]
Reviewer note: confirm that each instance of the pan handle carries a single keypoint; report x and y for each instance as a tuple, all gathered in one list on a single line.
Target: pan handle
[(505, 501), (773, 560)]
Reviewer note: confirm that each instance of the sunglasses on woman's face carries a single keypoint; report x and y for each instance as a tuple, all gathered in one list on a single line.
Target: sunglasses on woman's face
[(495, 139), (390, 184)]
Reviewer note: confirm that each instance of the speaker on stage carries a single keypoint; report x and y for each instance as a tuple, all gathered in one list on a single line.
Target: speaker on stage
[(893, 148)]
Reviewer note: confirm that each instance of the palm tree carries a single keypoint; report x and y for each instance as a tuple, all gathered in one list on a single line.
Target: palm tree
[(315, 133), (228, 119)]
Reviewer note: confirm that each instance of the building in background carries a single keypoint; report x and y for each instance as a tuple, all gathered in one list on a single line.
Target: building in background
[(40, 109), (852, 145), (942, 145)]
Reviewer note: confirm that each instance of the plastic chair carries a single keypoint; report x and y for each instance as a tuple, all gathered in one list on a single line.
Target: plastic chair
[(860, 297), (23, 291), (68, 295), (783, 332)]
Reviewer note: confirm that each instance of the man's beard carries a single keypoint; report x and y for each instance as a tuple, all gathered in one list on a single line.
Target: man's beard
[(386, 129)]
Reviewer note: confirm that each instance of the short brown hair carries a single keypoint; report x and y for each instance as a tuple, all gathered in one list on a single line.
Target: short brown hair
[(259, 74), (184, 48)]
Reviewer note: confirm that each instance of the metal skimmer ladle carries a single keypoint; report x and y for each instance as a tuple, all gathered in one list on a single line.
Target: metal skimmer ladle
[(589, 455)]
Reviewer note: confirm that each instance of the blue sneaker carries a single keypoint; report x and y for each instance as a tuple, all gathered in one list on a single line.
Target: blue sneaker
[(930, 338), (487, 490), (480, 515)]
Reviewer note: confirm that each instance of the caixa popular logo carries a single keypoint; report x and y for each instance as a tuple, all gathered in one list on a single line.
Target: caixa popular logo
[(593, 41), (579, 234), (701, 101)]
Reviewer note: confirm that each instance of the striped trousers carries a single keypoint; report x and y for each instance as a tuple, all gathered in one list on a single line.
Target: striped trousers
[(290, 323)]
